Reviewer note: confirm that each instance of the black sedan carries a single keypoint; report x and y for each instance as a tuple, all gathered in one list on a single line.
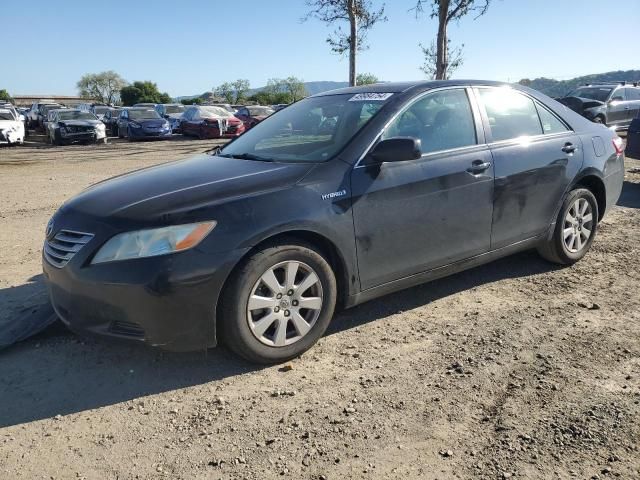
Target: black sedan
[(335, 200), (142, 123)]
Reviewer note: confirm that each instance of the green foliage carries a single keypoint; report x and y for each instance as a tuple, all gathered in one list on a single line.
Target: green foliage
[(233, 92), (191, 101), (366, 79), (103, 87), (143, 92), (559, 88), (280, 90), (4, 95)]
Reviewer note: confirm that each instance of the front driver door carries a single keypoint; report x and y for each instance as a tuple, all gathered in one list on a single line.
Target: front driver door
[(412, 216)]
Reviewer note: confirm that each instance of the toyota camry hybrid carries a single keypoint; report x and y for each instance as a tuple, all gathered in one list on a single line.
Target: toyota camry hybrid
[(330, 202)]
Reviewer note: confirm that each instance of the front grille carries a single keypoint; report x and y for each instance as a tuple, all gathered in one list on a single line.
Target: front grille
[(61, 248), (78, 129), (128, 329)]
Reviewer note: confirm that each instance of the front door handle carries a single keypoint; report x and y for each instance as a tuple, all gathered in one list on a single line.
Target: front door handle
[(478, 166), (569, 147)]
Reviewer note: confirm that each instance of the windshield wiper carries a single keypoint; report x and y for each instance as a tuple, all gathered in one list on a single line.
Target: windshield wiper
[(246, 156)]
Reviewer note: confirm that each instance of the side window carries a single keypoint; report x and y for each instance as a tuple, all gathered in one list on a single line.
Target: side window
[(511, 114), (633, 93), (550, 123), (441, 120), (618, 95)]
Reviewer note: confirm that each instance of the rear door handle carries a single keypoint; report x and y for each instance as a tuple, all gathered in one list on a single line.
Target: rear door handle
[(569, 148), (478, 166)]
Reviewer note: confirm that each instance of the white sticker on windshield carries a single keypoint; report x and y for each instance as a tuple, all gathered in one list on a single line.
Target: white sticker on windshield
[(370, 96)]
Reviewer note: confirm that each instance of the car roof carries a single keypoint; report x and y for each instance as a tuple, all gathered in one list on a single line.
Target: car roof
[(398, 87)]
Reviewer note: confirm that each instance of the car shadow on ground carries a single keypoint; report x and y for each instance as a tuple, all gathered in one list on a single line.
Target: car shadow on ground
[(56, 372), (630, 196)]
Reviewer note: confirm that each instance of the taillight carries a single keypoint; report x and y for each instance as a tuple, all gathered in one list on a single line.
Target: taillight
[(618, 145)]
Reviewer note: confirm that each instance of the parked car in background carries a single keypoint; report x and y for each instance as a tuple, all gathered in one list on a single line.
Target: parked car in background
[(75, 126), (172, 112), (226, 106), (32, 114), (633, 138), (613, 104), (50, 114), (253, 114), (205, 121), (279, 106), (100, 110), (110, 120), (145, 105), (11, 126), (43, 114), (137, 123), (258, 243)]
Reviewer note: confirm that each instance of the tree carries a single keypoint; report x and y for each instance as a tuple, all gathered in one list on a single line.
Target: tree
[(454, 59), (103, 87), (191, 101), (446, 11), (361, 17), (366, 79), (282, 90), (143, 92), (4, 95), (233, 92)]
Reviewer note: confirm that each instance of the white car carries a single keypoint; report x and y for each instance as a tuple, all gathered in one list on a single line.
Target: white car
[(11, 128)]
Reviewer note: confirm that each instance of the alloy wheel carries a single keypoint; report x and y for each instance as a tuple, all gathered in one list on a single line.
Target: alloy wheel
[(284, 304), (578, 225)]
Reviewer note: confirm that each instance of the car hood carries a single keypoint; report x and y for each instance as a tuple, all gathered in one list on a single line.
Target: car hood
[(175, 115), (184, 186), (80, 123), (579, 104), (150, 122), (8, 123)]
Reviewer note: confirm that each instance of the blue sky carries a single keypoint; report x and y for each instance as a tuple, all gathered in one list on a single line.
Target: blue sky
[(188, 46)]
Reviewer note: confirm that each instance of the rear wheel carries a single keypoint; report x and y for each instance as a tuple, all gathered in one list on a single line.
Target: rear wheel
[(575, 228), (278, 303)]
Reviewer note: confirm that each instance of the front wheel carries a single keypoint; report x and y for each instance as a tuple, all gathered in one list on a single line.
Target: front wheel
[(278, 303), (575, 229)]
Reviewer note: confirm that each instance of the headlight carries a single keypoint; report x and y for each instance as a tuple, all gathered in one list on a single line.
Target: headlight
[(134, 124), (149, 243), (100, 126)]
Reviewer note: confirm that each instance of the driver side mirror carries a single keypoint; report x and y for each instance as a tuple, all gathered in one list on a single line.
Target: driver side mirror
[(397, 149)]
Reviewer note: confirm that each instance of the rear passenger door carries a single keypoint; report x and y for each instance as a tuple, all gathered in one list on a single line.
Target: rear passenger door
[(535, 156)]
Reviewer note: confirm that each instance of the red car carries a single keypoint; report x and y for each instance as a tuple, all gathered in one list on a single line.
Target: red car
[(205, 121), (253, 114)]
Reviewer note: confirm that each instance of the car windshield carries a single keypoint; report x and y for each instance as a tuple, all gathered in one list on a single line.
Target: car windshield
[(260, 111), (6, 115), (143, 114), (312, 130), (76, 115), (593, 93), (174, 109), (214, 112), (100, 110)]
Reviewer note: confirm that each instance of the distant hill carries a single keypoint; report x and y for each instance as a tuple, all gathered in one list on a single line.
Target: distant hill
[(559, 88), (312, 89)]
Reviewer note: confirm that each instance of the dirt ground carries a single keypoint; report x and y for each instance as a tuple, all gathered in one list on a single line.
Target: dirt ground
[(517, 369)]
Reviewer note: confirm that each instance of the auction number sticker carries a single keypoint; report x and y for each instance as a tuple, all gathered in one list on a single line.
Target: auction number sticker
[(371, 96)]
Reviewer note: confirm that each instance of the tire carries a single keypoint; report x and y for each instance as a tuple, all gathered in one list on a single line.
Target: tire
[(114, 131), (560, 248), (57, 139), (599, 119), (201, 134), (269, 347)]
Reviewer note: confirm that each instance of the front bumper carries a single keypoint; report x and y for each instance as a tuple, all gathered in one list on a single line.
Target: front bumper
[(212, 131), (86, 136), (166, 301), (149, 133)]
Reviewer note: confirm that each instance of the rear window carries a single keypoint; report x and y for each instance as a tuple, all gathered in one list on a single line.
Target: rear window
[(592, 93), (511, 114), (143, 114)]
